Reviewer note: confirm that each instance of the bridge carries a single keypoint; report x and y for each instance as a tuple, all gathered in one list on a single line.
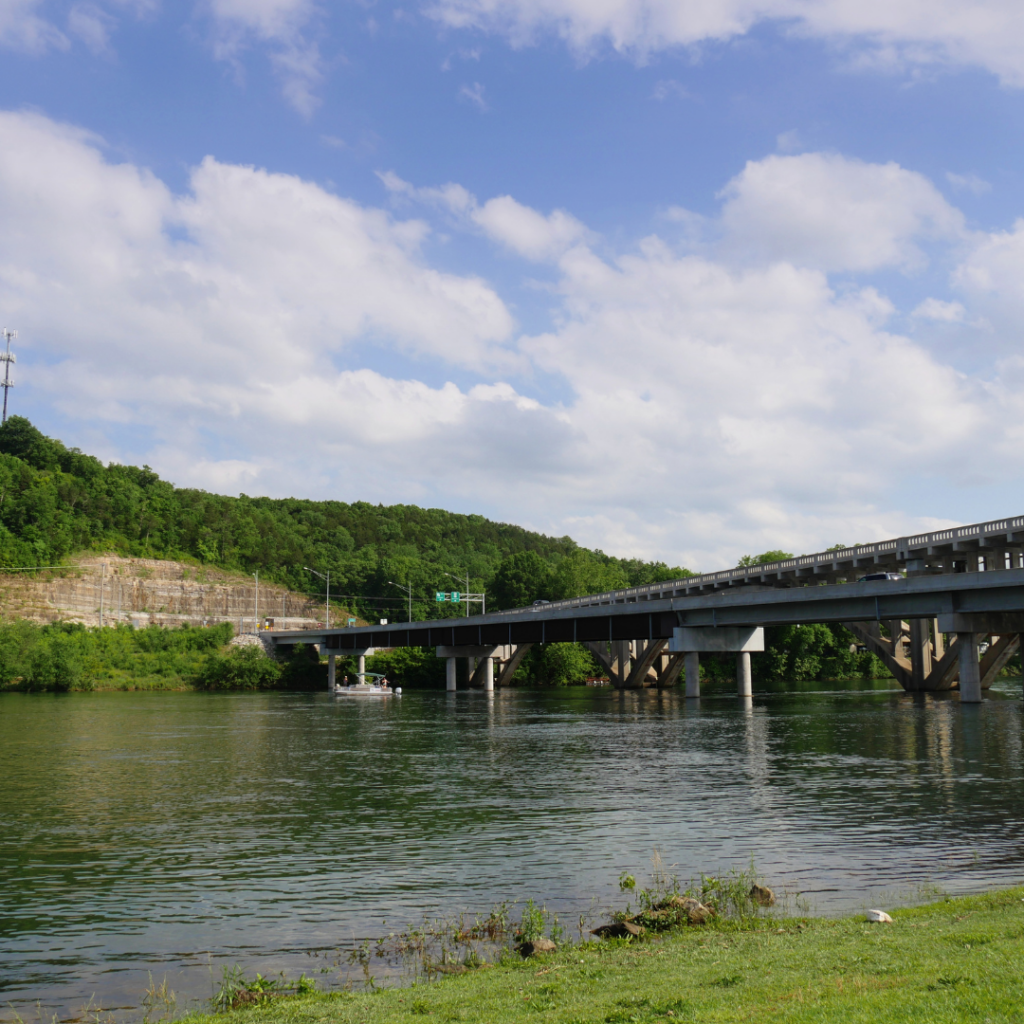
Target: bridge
[(958, 588)]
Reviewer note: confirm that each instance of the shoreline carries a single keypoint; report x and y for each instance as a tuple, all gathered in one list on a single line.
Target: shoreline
[(950, 960)]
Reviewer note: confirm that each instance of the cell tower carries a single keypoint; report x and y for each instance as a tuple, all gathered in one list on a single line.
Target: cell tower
[(7, 358)]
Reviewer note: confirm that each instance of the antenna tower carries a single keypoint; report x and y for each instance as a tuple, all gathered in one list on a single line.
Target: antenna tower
[(7, 358)]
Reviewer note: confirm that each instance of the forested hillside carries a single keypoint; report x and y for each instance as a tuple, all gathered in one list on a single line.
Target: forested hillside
[(56, 501)]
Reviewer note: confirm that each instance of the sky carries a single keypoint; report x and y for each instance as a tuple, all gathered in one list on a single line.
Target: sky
[(682, 279)]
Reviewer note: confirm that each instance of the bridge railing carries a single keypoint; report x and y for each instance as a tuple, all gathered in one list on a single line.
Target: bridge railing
[(826, 559)]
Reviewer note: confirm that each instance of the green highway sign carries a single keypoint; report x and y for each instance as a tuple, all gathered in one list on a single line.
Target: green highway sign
[(454, 597)]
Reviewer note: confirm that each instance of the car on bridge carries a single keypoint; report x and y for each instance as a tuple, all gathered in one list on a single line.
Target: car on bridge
[(872, 576)]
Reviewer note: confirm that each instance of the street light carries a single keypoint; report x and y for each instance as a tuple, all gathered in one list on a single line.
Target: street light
[(328, 579), (408, 590)]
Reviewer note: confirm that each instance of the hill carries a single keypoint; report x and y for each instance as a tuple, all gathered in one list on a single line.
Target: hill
[(56, 502)]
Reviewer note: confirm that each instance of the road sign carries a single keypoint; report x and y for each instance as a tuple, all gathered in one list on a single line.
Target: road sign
[(440, 596), (456, 597)]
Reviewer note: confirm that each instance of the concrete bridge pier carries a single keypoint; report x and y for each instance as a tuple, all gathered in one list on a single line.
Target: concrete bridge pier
[(488, 679), (970, 668), (331, 677), (692, 669), (362, 669), (744, 679), (691, 640), (451, 667)]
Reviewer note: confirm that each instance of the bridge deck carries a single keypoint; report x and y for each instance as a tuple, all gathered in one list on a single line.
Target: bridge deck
[(997, 592)]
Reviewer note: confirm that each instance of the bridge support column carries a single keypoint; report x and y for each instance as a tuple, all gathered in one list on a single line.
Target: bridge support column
[(331, 677), (920, 652), (362, 669), (451, 668), (744, 680), (488, 673), (970, 669), (692, 663)]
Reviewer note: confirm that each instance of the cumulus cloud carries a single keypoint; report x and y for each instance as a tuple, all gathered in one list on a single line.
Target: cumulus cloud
[(709, 406), (517, 227), (833, 212), (985, 33), (247, 273)]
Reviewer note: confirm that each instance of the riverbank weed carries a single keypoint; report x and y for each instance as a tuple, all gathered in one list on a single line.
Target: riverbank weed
[(237, 990)]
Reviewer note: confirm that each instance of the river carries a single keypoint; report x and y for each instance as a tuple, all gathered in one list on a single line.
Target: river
[(167, 835)]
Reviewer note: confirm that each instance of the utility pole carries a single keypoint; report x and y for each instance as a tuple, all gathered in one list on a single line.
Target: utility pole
[(327, 578), (408, 590), (8, 358)]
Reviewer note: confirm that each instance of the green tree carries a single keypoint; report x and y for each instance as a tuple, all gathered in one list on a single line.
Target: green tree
[(521, 579), (769, 556)]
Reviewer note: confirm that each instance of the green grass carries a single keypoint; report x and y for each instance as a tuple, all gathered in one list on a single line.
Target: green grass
[(952, 961)]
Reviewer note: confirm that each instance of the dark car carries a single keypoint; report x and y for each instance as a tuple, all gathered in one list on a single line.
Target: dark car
[(872, 576)]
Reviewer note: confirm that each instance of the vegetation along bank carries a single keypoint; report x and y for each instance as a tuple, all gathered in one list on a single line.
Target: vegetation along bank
[(951, 961), (57, 504)]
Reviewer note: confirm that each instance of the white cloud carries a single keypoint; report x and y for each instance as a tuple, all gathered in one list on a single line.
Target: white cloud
[(92, 25), (474, 94), (284, 24), (272, 269), (836, 213), (984, 33), (520, 228), (969, 183), (943, 312), (669, 87), (526, 231), (21, 28), (710, 407)]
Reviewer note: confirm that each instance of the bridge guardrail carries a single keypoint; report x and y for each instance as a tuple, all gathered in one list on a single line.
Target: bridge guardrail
[(822, 558)]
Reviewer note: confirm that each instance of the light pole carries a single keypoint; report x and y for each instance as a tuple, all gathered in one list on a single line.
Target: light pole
[(483, 596), (8, 358), (256, 612), (408, 590), (328, 579)]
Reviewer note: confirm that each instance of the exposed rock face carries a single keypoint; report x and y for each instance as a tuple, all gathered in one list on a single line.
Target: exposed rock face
[(762, 896), (149, 591), (536, 946)]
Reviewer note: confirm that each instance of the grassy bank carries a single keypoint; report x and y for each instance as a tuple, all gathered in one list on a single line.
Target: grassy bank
[(952, 961)]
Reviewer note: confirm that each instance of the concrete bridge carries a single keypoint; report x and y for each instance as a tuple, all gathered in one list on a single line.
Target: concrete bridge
[(961, 587)]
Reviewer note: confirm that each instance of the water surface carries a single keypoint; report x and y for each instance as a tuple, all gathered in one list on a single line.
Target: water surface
[(171, 834)]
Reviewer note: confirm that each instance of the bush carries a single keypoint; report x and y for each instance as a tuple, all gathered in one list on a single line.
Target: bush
[(242, 668)]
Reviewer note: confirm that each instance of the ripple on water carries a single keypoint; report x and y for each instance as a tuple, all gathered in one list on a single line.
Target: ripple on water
[(173, 833)]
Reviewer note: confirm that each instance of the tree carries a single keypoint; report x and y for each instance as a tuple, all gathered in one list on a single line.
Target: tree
[(769, 556), (521, 579)]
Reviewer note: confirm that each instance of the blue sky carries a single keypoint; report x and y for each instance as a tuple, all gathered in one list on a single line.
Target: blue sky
[(681, 279)]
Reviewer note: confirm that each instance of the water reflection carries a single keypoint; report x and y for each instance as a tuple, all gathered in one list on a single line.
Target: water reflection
[(175, 832)]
